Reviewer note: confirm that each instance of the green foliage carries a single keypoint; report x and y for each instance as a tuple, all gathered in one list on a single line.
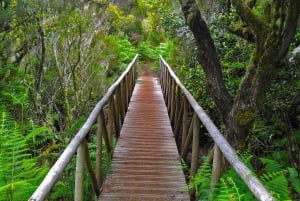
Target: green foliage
[(228, 190), (126, 50), (166, 49), (294, 179), (193, 79), (147, 51), (118, 18), (275, 180), (201, 182), (232, 187), (14, 91), (20, 172), (233, 51)]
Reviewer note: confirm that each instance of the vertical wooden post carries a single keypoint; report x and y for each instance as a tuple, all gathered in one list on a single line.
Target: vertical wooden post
[(166, 82), (217, 165), (117, 103), (184, 124), (163, 80), (173, 103), (188, 140), (79, 174), (120, 104), (99, 150), (169, 92), (127, 90), (178, 117), (90, 169), (131, 78), (195, 149), (105, 134), (116, 115), (123, 96), (178, 112), (110, 120)]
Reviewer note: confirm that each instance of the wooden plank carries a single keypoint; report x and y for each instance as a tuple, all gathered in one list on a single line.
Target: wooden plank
[(146, 163)]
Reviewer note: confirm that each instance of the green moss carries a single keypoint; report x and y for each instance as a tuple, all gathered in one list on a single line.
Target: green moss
[(245, 117)]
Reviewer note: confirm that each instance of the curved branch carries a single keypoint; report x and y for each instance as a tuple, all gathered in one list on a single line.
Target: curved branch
[(258, 26), (243, 32)]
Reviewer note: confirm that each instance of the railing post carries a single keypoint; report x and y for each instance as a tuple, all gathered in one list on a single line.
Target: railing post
[(120, 105), (79, 174), (99, 150), (127, 91), (188, 140), (90, 169), (195, 149), (110, 120), (217, 164), (116, 115), (173, 101), (184, 124), (178, 113), (105, 134), (123, 88), (169, 91)]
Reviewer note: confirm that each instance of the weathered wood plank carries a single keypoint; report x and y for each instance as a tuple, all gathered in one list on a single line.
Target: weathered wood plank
[(146, 163)]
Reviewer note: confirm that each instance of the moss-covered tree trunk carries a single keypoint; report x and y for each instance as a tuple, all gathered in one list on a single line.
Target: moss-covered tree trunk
[(273, 34)]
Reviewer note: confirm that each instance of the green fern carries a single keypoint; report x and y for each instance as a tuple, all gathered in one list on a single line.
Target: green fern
[(235, 187), (228, 190), (201, 182), (271, 165), (232, 187), (294, 178), (19, 171), (275, 180)]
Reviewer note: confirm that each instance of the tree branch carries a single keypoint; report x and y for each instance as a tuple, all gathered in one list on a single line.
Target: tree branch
[(290, 26), (258, 26), (243, 32)]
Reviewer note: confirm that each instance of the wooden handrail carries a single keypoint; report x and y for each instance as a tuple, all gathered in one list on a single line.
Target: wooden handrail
[(172, 89), (117, 98)]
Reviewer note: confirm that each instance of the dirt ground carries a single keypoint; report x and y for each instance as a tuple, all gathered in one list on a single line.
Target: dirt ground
[(145, 70)]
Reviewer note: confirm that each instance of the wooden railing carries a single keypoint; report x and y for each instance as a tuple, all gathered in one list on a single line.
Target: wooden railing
[(115, 102), (178, 101)]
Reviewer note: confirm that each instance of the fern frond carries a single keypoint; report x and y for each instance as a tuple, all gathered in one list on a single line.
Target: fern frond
[(228, 190), (294, 179), (201, 181), (271, 165), (19, 170), (277, 183)]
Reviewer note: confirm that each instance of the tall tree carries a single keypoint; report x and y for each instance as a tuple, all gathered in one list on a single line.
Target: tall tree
[(272, 33)]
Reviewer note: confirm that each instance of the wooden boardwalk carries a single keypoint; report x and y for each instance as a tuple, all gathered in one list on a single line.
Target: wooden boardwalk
[(146, 163)]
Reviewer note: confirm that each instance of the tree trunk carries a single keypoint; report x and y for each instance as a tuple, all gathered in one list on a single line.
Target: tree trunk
[(272, 40), (207, 57)]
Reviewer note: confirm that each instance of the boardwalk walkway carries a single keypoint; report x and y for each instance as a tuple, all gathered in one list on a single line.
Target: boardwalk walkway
[(146, 164)]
